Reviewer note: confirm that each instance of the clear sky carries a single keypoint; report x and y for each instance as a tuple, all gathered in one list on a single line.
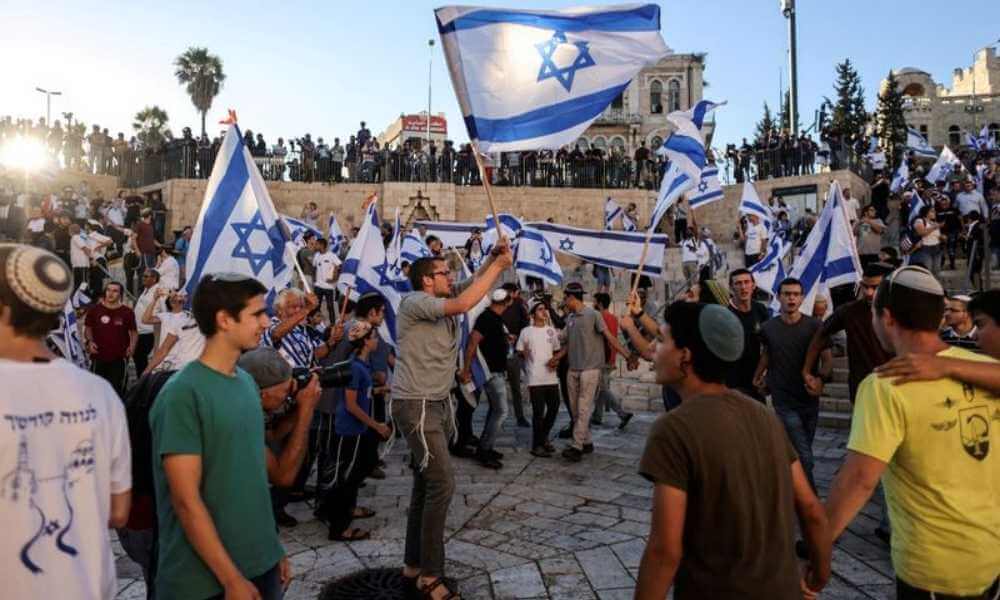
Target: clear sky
[(321, 67)]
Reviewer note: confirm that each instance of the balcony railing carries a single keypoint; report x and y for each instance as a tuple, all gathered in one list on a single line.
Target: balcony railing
[(617, 116)]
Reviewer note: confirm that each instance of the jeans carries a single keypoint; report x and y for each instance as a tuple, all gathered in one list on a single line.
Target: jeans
[(605, 397), (582, 391), (928, 257), (496, 393), (427, 427), (800, 424), (143, 347), (326, 295), (905, 591), (544, 409), (268, 585), (140, 546), (514, 365)]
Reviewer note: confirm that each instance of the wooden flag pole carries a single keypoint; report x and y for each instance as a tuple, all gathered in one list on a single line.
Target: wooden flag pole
[(642, 262), (488, 187), (343, 305)]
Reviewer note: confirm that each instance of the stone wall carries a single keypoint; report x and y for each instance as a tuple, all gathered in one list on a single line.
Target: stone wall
[(106, 184)]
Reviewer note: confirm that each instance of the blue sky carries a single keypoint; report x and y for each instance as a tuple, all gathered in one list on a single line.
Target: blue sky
[(323, 67)]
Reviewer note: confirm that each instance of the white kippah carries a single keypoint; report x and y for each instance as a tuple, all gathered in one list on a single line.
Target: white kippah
[(38, 278), (917, 278)]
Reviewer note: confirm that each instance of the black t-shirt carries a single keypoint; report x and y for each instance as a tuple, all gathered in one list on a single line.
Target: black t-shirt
[(741, 374), (494, 342)]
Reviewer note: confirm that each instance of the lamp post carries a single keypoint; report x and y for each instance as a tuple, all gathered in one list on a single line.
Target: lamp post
[(788, 11), (430, 69), (48, 103)]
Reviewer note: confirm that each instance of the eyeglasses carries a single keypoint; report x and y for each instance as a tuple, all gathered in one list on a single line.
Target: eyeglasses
[(444, 273)]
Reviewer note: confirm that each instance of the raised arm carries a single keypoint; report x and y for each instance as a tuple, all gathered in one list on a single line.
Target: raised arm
[(481, 283)]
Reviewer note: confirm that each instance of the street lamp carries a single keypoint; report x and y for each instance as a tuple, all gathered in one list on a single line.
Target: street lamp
[(430, 68), (788, 11), (48, 103)]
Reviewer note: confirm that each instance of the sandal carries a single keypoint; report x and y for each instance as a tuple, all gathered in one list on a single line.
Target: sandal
[(361, 512), (352, 535), (427, 591)]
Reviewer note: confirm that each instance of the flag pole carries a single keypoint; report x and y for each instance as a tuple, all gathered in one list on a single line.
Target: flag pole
[(343, 305), (642, 262), (488, 187)]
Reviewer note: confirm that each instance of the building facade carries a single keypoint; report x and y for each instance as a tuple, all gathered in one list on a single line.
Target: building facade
[(639, 115), (942, 113), (413, 128)]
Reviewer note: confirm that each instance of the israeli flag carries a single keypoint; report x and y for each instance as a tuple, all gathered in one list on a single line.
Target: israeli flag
[(536, 79), (451, 234), (945, 165), (465, 323), (627, 223), (829, 257), (970, 141), (709, 188), (66, 338), (298, 228), (985, 141), (685, 147), (770, 271), (697, 113), (392, 251), (238, 229), (612, 212), (750, 204), (612, 249), (335, 236), (510, 226), (367, 269), (918, 143), (900, 178), (413, 248), (534, 256), (916, 203), (675, 183)]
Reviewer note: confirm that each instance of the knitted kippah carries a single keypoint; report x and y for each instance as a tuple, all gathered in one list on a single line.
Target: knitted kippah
[(916, 278), (37, 277)]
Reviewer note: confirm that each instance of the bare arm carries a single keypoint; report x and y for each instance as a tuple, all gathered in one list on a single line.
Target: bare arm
[(663, 552), (121, 504), (282, 470), (820, 341), (149, 317), (642, 345), (161, 353), (470, 353), (851, 489), (923, 367), (480, 286), (815, 529), (617, 345), (758, 375)]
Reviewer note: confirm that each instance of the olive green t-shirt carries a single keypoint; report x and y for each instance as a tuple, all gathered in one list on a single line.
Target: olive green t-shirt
[(219, 417), (731, 455)]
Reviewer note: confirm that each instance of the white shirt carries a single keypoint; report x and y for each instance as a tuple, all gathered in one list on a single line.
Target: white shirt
[(190, 342), (969, 201), (170, 273), (64, 450), (82, 210), (853, 208), (325, 265), (116, 216), (538, 344), (94, 239), (689, 250), (141, 304), (37, 225), (77, 257), (704, 253), (755, 234)]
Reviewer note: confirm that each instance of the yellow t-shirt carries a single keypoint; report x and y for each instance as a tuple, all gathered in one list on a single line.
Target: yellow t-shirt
[(941, 441)]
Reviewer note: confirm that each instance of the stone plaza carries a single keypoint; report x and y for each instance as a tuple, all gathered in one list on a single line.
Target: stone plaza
[(542, 527)]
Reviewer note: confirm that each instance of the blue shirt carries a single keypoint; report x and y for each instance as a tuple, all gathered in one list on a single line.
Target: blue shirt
[(297, 346), (361, 383), (181, 249)]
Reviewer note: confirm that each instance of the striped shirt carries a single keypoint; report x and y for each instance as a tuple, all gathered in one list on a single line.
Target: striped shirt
[(969, 341), (297, 346)]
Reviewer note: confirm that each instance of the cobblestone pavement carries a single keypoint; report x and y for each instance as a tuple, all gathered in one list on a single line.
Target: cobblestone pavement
[(544, 528)]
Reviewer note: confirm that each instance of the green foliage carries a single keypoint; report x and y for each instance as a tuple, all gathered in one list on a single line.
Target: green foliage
[(848, 116), (890, 122), (150, 125), (766, 127), (202, 75)]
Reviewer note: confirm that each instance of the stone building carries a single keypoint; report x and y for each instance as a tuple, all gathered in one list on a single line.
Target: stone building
[(413, 128), (942, 113), (639, 114)]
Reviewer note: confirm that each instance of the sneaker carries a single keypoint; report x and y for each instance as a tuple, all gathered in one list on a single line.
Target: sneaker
[(624, 421), (283, 519), (572, 454), (485, 460), (541, 452), (588, 448), (463, 451), (523, 423), (377, 473), (566, 433)]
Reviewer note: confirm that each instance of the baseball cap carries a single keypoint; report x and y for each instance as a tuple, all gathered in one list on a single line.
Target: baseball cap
[(721, 331), (266, 366)]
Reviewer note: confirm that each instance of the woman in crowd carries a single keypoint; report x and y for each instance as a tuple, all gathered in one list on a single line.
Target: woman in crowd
[(869, 235), (928, 230)]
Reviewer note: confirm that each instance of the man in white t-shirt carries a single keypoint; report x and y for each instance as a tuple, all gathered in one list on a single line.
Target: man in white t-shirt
[(79, 254), (852, 205), (181, 341), (755, 240), (326, 264), (147, 334), (539, 347), (169, 268), (65, 461)]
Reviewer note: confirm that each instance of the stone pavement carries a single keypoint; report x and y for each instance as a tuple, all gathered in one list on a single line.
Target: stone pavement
[(543, 528)]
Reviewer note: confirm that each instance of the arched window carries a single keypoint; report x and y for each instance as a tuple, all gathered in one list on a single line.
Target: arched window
[(954, 135), (914, 89), (656, 98), (674, 95), (600, 144), (582, 144), (994, 130), (618, 142)]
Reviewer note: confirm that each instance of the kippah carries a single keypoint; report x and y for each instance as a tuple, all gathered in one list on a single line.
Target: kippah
[(877, 269), (721, 331), (37, 278), (916, 278)]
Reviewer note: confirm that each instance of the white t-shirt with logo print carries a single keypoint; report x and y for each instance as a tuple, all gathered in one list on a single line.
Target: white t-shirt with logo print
[(325, 264), (755, 234), (538, 344), (64, 450), (190, 341)]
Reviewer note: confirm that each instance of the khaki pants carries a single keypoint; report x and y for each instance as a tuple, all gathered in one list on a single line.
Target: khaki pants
[(582, 390)]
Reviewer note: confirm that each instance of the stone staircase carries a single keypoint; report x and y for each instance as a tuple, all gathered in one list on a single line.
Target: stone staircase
[(834, 405)]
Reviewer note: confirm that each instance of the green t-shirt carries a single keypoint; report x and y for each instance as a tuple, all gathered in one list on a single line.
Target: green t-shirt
[(201, 411)]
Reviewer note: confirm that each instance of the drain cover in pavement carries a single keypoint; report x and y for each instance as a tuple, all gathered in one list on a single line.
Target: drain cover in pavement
[(370, 584)]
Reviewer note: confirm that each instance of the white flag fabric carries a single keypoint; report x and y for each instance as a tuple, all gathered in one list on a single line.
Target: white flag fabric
[(900, 178), (452, 234), (770, 270), (297, 228), (709, 188), (536, 79), (986, 141), (534, 256), (335, 236), (829, 257), (466, 322), (916, 203), (612, 249), (612, 212), (918, 143), (510, 226), (675, 183), (750, 204), (945, 165), (66, 338), (685, 147), (697, 113), (413, 248), (238, 229)]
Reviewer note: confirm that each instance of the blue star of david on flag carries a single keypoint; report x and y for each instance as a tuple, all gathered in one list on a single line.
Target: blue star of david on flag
[(564, 75), (703, 186), (273, 253), (565, 244)]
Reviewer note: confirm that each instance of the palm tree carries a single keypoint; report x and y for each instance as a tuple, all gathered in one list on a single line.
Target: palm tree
[(202, 73), (150, 125)]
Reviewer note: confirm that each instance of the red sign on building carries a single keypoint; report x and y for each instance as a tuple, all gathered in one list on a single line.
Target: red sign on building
[(418, 123)]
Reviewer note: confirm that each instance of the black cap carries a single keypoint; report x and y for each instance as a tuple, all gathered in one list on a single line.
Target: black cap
[(877, 269)]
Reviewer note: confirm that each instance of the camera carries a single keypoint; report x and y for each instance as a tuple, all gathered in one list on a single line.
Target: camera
[(337, 375)]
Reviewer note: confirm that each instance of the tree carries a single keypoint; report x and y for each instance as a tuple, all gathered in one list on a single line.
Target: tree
[(766, 127), (890, 122), (848, 116), (150, 125), (785, 117), (202, 73)]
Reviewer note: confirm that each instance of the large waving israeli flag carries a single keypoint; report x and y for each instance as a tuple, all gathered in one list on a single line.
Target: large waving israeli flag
[(770, 270), (533, 79), (750, 204), (366, 269), (534, 256), (238, 229), (685, 147), (510, 225), (709, 188), (918, 143), (612, 249), (945, 165), (829, 257), (697, 113), (675, 183)]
